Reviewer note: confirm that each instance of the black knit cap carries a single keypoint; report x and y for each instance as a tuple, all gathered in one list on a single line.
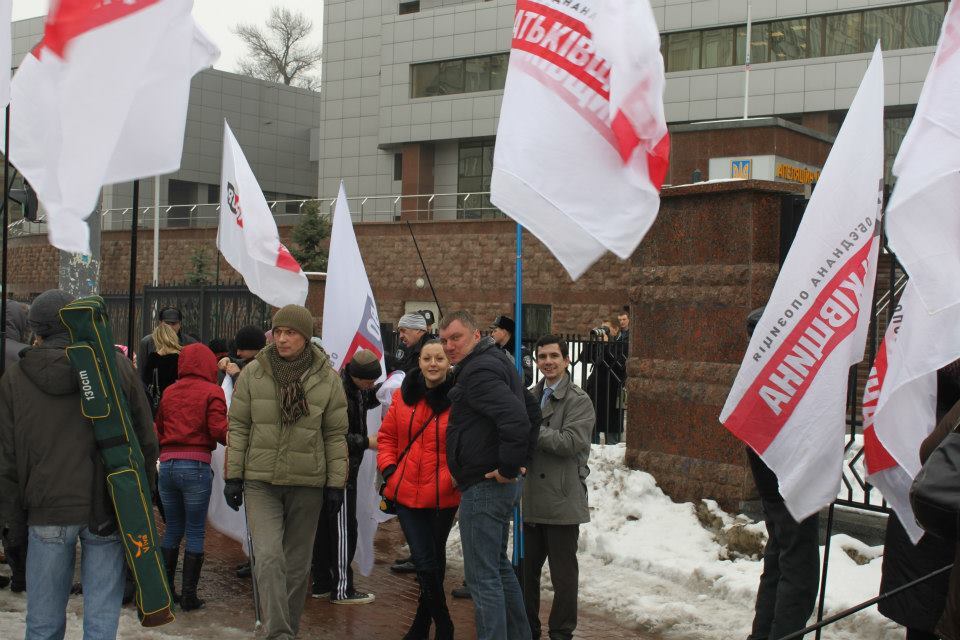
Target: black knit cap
[(504, 322), (250, 338), (364, 365)]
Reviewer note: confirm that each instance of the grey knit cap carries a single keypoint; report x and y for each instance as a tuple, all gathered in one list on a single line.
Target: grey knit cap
[(44, 315), (413, 321)]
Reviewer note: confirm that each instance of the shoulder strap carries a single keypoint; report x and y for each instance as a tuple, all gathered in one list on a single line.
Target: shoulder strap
[(415, 436)]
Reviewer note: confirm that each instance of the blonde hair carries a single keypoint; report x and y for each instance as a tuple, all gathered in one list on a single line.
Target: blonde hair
[(165, 340)]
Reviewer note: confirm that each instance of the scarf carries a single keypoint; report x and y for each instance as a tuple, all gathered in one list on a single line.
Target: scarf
[(288, 374)]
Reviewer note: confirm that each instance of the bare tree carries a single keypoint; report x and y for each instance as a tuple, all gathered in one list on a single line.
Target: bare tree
[(280, 51)]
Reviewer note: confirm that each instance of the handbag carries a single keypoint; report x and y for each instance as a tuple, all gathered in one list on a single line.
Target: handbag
[(387, 505), (935, 494), (153, 391)]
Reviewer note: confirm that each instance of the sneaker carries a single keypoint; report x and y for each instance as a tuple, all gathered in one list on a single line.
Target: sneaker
[(319, 592), (404, 567), (461, 592), (355, 597), (243, 570)]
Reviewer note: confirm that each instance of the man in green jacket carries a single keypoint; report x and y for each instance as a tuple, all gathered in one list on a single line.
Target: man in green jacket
[(287, 457), (554, 492)]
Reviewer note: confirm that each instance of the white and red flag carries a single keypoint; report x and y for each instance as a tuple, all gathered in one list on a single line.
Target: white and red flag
[(351, 323), (582, 144), (923, 225), (900, 398), (103, 99), (248, 236), (789, 398)]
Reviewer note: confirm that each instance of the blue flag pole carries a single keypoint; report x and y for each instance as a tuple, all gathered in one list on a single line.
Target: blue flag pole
[(518, 358)]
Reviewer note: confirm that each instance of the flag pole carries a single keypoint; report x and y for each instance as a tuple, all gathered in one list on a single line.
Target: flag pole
[(131, 299), (823, 573), (6, 235), (416, 246), (156, 231), (518, 359), (746, 66)]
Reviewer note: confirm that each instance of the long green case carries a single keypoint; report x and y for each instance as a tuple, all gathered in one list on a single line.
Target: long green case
[(93, 356)]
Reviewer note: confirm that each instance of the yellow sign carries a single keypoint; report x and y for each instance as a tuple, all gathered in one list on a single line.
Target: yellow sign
[(797, 174)]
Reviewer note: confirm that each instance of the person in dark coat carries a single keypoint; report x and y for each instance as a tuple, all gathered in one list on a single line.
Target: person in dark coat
[(246, 345), (920, 608), (171, 317), (159, 369), (18, 334), (414, 333), (503, 330), (608, 355)]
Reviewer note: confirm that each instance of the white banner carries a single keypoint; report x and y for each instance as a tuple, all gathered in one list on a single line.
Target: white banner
[(789, 398), (230, 523)]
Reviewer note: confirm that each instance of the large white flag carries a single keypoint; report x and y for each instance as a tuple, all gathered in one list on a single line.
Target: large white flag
[(351, 323), (789, 398), (230, 523), (103, 99), (900, 398), (923, 227), (248, 236), (582, 145)]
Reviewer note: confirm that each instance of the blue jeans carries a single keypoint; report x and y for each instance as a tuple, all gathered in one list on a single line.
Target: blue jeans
[(185, 492), (50, 561), (426, 531), (485, 512)]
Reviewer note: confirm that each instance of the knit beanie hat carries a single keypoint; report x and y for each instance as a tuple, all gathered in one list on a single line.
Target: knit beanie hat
[(250, 338), (44, 315), (413, 321), (297, 318), (364, 365)]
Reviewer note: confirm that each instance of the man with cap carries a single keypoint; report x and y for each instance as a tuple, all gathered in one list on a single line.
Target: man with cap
[(246, 345), (287, 459), (336, 541), (412, 328), (502, 331), (172, 317), (53, 486)]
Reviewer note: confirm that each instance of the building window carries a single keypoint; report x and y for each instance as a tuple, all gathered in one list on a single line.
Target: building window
[(537, 321), (398, 166), (922, 23), (885, 25), (213, 193), (683, 51), (409, 7), (788, 40), (843, 34), (465, 75), (717, 48), (474, 169)]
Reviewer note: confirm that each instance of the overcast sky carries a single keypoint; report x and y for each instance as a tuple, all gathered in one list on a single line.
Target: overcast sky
[(217, 17)]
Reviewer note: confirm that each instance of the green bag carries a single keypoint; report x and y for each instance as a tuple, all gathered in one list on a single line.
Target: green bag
[(93, 356)]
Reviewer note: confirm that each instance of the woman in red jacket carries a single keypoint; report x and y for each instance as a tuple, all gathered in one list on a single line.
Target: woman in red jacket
[(412, 456), (191, 420)]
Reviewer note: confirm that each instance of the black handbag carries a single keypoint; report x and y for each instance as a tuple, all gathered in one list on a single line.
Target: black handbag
[(935, 494), (387, 505)]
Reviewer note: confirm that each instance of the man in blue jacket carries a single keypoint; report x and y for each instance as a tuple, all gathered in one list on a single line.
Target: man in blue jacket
[(488, 443)]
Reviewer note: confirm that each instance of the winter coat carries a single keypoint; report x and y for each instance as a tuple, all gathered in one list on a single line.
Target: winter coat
[(488, 426), (359, 401), (166, 368), (51, 472), (525, 357), (312, 452), (192, 417), (17, 331), (422, 479), (407, 359), (555, 491), (949, 626)]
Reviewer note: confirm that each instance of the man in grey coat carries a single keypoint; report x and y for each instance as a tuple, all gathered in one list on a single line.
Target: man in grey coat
[(555, 492)]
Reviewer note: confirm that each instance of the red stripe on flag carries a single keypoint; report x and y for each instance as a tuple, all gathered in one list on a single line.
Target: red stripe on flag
[(877, 457), (658, 161), (73, 18), (286, 261), (754, 421)]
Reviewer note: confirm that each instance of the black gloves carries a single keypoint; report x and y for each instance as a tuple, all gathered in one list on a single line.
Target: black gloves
[(357, 444), (389, 471), (332, 499), (233, 493)]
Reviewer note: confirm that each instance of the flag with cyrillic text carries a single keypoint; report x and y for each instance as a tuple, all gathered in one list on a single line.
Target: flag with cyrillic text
[(923, 227), (582, 145), (102, 99), (788, 401)]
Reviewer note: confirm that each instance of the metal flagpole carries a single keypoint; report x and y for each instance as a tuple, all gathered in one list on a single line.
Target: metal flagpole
[(518, 358), (823, 573), (156, 231), (6, 234), (746, 66), (132, 295), (425, 272)]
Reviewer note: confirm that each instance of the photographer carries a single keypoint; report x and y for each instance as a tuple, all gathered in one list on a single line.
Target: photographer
[(608, 355)]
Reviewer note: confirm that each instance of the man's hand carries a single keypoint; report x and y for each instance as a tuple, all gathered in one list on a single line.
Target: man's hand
[(332, 500), (495, 475), (356, 443), (233, 493)]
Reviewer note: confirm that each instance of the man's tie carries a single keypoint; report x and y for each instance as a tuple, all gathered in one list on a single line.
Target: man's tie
[(547, 392)]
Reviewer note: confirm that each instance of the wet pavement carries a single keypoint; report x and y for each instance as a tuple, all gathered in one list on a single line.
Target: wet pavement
[(230, 600)]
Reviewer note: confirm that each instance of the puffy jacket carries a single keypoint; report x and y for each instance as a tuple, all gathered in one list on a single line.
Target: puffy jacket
[(312, 452), (51, 472), (489, 425), (192, 417), (422, 479)]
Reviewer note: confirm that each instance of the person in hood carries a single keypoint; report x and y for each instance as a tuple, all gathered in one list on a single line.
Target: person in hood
[(53, 485), (489, 440), (191, 420), (18, 334), (287, 459)]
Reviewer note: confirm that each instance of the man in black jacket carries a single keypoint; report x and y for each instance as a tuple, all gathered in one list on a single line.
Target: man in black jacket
[(489, 441)]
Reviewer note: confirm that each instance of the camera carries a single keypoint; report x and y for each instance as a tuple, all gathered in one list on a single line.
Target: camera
[(600, 331)]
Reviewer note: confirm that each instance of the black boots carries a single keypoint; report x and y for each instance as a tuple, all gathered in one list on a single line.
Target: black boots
[(192, 562), (170, 559), (420, 629), (431, 592)]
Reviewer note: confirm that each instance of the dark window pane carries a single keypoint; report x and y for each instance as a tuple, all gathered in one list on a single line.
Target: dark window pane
[(885, 25), (425, 80), (922, 24), (471, 162), (815, 37), (843, 34), (717, 48), (451, 77), (477, 74), (498, 70), (684, 51), (398, 166), (788, 40), (409, 7), (760, 43)]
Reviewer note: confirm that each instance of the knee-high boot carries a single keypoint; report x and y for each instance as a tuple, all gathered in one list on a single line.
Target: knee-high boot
[(420, 629), (170, 559), (192, 562), (431, 585)]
